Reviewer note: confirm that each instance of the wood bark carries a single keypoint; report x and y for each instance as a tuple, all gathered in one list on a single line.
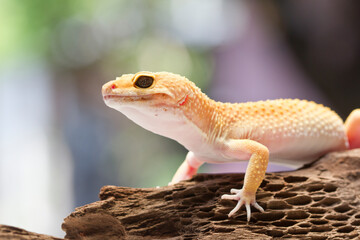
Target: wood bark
[(320, 201)]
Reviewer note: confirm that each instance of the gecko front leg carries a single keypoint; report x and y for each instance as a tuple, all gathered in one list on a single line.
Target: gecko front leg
[(187, 169), (255, 173)]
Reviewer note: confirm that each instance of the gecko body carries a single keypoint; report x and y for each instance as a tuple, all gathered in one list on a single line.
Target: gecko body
[(290, 131)]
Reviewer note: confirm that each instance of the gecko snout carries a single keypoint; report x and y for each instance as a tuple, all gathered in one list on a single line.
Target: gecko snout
[(108, 88)]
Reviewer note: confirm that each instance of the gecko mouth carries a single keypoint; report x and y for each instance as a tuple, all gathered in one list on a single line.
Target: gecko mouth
[(155, 100), (127, 98), (107, 97)]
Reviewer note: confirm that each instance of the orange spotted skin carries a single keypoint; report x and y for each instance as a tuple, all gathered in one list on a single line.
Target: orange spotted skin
[(305, 128), (290, 131)]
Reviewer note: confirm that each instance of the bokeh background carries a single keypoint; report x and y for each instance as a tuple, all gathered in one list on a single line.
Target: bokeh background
[(59, 143)]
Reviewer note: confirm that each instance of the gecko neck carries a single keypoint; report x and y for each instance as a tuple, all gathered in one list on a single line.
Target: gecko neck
[(204, 113)]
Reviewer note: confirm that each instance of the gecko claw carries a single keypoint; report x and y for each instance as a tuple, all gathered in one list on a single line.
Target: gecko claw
[(243, 199)]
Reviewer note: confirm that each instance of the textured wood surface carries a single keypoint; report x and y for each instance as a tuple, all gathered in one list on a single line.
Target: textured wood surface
[(13, 233), (317, 202)]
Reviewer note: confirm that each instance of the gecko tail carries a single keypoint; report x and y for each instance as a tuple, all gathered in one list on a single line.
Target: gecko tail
[(352, 128)]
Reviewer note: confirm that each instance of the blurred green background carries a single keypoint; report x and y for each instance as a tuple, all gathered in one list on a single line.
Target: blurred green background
[(59, 143)]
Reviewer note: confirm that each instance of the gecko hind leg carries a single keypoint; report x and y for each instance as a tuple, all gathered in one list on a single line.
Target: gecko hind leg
[(352, 128)]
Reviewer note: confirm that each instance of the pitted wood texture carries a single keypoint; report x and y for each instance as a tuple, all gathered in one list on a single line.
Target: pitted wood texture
[(317, 202)]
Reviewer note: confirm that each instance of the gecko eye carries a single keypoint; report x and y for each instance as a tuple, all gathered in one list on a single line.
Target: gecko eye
[(144, 81)]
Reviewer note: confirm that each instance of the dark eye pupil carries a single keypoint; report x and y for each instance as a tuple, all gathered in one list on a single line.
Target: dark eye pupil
[(144, 81)]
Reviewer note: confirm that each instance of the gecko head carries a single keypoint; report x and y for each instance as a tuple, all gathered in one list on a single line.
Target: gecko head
[(147, 90)]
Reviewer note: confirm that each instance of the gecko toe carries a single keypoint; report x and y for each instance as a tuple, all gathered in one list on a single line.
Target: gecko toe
[(236, 208), (258, 207), (234, 190), (248, 211), (229, 196)]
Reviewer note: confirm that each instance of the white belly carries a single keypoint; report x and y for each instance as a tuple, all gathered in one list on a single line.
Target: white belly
[(295, 152)]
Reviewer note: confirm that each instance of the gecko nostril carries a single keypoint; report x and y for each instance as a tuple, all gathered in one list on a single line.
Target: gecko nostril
[(113, 86)]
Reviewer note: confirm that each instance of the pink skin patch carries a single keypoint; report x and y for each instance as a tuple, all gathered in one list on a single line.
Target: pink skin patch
[(184, 101)]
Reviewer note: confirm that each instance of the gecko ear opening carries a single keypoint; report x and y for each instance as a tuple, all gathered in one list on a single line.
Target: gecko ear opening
[(143, 81)]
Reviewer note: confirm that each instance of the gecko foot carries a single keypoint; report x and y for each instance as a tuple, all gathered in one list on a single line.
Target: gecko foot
[(243, 198)]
